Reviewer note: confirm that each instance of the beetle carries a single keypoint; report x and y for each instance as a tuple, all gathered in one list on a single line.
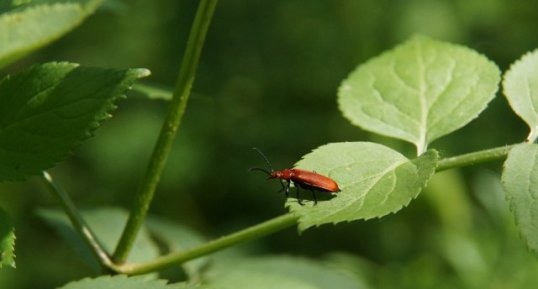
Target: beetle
[(307, 180)]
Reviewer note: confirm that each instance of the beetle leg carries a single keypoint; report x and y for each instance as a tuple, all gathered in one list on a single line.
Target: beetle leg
[(314, 196), (285, 188), (298, 195)]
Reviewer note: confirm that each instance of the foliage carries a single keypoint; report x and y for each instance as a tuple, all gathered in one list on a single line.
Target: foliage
[(520, 87), (374, 181), (26, 28), (420, 91), (279, 272), (519, 180), (104, 222), (7, 241), (49, 109), (121, 282)]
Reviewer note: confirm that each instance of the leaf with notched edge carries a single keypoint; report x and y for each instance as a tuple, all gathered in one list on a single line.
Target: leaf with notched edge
[(48, 109), (7, 241), (419, 91), (520, 182), (521, 89), (374, 181)]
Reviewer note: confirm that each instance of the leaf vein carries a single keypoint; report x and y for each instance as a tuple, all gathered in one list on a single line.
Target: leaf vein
[(362, 199), (455, 108)]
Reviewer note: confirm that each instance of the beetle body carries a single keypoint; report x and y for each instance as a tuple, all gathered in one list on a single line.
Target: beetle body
[(307, 180)]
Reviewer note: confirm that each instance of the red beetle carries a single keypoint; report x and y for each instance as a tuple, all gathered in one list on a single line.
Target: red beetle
[(307, 180)]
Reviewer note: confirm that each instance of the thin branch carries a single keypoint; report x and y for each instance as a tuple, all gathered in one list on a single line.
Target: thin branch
[(282, 222), (474, 158), (169, 130), (77, 221), (244, 235)]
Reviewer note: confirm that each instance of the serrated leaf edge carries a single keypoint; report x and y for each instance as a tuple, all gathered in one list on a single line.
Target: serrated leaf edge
[(12, 254), (533, 134), (511, 207), (101, 115), (419, 189), (422, 141)]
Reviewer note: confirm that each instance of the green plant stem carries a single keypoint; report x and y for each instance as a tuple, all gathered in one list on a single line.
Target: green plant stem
[(281, 222), (153, 91), (78, 222), (169, 130), (474, 158), (253, 232)]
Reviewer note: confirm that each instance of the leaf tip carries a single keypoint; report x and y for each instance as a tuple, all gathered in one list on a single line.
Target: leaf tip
[(141, 72)]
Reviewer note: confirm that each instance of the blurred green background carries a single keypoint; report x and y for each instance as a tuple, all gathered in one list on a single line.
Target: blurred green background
[(268, 78)]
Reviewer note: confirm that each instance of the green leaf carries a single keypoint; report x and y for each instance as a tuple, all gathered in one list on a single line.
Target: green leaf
[(419, 91), (374, 181), (107, 224), (178, 238), (520, 182), (521, 89), (48, 109), (7, 241), (279, 272), (25, 29), (123, 282)]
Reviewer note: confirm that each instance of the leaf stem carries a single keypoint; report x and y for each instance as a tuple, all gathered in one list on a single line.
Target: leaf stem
[(77, 221), (250, 233), (474, 158), (281, 222), (169, 129)]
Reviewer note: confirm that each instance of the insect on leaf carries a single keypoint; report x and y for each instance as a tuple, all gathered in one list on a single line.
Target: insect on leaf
[(374, 181)]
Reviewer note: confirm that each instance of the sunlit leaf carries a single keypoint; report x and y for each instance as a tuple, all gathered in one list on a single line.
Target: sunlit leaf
[(48, 109), (419, 91), (7, 241), (521, 89), (29, 27), (374, 181), (123, 282), (520, 182)]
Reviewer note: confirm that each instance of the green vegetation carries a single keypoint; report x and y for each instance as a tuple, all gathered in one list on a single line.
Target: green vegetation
[(158, 185)]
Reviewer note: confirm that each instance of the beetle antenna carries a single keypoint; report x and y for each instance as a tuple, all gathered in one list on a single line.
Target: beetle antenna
[(261, 170), (266, 160)]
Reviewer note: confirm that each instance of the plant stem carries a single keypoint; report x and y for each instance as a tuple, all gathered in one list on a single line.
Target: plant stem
[(281, 222), (250, 233), (474, 158), (169, 130), (78, 222)]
